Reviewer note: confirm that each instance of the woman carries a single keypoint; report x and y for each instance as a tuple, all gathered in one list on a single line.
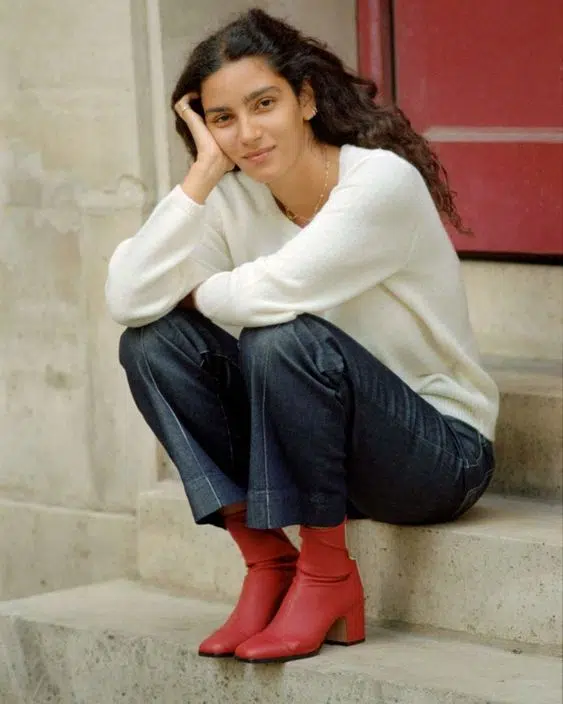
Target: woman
[(311, 219)]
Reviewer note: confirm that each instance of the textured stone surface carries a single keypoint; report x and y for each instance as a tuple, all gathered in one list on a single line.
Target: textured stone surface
[(44, 548), (74, 180), (70, 85), (529, 441), (495, 573), (67, 416), (516, 309), (121, 642)]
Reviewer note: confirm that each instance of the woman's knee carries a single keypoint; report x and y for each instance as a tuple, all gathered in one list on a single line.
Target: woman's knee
[(129, 344), (136, 343), (148, 341), (304, 338), (259, 343)]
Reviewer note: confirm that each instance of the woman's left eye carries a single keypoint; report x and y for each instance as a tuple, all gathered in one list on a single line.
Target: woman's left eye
[(266, 102)]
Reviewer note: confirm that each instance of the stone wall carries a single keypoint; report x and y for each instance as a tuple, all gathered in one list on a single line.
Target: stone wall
[(73, 185), (74, 181)]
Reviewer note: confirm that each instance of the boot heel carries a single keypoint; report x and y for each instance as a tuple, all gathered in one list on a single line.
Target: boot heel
[(350, 629)]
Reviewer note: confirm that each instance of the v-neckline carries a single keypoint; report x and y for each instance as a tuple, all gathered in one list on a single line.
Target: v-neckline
[(287, 219)]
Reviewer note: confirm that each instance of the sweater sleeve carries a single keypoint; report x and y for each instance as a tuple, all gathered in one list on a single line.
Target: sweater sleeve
[(175, 250), (363, 234)]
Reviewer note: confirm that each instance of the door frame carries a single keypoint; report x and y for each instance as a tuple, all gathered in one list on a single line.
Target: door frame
[(374, 25)]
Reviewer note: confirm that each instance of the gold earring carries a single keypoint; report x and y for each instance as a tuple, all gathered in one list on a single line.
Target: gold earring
[(314, 113)]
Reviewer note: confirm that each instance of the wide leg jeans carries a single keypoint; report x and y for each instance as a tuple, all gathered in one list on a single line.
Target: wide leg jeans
[(299, 421)]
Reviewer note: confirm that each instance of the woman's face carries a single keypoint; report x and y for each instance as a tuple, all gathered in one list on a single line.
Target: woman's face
[(248, 109)]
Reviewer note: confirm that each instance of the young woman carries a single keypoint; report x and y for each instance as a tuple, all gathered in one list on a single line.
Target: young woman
[(311, 219)]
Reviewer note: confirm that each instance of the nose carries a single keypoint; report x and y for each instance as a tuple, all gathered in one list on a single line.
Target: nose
[(249, 130)]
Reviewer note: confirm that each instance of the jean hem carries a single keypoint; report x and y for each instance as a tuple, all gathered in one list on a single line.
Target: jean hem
[(280, 509), (206, 502)]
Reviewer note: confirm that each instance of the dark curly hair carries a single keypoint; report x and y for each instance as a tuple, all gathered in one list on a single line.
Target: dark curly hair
[(347, 110)]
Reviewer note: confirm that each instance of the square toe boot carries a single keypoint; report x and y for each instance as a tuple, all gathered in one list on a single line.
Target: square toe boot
[(324, 604), (270, 559)]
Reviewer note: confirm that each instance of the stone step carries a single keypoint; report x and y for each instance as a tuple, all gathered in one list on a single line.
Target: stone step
[(516, 309), (529, 442), (122, 642), (495, 573), (44, 548)]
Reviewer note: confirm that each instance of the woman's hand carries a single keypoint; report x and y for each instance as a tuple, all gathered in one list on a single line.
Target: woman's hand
[(209, 155), (188, 302)]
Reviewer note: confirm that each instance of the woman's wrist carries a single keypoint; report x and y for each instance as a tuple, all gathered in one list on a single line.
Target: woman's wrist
[(200, 181)]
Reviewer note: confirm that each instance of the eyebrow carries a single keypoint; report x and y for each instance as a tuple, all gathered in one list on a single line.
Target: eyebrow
[(251, 96)]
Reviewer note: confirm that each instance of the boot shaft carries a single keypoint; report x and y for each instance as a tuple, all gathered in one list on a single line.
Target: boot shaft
[(324, 552), (259, 546)]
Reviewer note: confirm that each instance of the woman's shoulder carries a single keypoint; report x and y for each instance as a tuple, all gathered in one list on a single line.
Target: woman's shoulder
[(385, 161), (381, 170)]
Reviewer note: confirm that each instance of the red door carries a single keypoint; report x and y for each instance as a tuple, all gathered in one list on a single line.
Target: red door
[(482, 80)]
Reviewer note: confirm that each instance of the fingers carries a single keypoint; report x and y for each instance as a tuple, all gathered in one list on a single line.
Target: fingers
[(183, 107)]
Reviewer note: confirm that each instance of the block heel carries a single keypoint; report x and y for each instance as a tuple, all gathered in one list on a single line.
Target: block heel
[(350, 629)]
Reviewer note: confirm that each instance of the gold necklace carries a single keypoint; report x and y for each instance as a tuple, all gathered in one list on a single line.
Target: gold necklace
[(294, 216)]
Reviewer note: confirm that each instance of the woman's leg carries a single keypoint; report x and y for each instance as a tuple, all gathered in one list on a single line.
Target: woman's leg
[(183, 372), (184, 375), (331, 426)]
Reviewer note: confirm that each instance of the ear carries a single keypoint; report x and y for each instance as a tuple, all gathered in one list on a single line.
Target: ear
[(307, 100)]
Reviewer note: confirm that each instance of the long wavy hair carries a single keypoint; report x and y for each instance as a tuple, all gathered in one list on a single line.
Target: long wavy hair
[(348, 112)]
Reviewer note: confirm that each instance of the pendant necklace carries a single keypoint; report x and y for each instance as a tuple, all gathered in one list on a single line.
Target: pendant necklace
[(294, 216)]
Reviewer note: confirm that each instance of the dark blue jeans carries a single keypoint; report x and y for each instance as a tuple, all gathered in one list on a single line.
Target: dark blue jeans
[(301, 422)]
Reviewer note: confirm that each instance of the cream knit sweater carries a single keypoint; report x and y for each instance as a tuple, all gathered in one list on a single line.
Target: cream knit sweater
[(376, 261)]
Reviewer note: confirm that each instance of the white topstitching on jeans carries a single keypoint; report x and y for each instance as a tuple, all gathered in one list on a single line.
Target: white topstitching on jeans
[(169, 407)]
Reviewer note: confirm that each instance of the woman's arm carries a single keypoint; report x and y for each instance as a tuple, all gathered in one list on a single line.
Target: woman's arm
[(363, 235), (178, 247), (175, 250)]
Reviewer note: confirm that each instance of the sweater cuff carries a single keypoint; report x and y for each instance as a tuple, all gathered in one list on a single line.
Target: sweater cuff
[(182, 200)]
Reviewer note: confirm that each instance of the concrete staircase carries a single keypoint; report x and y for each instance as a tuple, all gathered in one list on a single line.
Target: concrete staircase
[(469, 612), (127, 642)]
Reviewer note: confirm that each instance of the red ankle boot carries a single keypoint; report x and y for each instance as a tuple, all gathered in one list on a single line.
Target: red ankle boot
[(270, 558), (324, 604)]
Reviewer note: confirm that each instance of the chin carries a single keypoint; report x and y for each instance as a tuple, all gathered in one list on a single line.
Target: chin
[(264, 178), (261, 175)]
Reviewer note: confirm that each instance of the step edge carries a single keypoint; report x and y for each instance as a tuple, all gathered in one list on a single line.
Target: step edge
[(217, 606), (465, 525), (532, 668)]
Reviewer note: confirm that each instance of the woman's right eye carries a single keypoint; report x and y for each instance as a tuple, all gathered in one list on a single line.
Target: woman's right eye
[(221, 119)]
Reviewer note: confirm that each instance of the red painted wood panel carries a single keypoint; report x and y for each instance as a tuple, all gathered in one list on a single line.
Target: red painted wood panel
[(510, 195), (480, 62), (484, 81)]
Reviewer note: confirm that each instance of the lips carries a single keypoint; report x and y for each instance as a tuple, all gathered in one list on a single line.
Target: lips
[(259, 153)]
